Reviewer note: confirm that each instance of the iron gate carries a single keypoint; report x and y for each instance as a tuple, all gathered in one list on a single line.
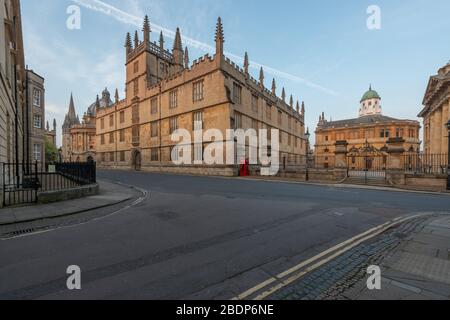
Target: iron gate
[(366, 163)]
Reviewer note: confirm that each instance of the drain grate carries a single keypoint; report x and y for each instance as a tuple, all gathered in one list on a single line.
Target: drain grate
[(22, 232)]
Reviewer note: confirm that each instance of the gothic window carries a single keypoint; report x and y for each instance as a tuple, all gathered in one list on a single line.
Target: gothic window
[(198, 152), (136, 87), (173, 99), (280, 118), (198, 90), (154, 129), (122, 135), (174, 153), (102, 123), (269, 112), (154, 106), (122, 156), (173, 124), (136, 67), (122, 116), (102, 139), (111, 120), (237, 121), (154, 154), (198, 121), (254, 103), (111, 137), (237, 93), (111, 157)]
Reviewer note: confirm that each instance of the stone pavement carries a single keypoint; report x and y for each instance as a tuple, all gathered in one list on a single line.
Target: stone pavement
[(414, 259), (110, 194)]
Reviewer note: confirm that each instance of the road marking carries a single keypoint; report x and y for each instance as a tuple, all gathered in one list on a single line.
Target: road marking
[(340, 248)]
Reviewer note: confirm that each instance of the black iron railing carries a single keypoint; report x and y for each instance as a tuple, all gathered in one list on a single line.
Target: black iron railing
[(424, 163), (21, 184)]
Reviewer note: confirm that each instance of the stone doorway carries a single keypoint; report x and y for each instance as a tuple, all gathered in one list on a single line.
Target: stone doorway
[(137, 160)]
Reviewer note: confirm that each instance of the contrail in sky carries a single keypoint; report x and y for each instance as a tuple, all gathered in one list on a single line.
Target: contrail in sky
[(124, 17)]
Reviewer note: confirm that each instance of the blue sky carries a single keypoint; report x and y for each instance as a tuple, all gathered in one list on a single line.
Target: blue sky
[(324, 46)]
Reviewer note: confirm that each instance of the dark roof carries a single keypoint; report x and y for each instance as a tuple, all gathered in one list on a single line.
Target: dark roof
[(364, 120)]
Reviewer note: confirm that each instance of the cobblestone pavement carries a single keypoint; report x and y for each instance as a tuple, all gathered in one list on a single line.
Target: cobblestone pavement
[(331, 281)]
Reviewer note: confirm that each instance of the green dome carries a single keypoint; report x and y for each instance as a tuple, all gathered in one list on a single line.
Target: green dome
[(371, 94)]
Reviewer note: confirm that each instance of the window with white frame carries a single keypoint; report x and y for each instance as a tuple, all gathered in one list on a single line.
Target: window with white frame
[(37, 152), (37, 121), (37, 98)]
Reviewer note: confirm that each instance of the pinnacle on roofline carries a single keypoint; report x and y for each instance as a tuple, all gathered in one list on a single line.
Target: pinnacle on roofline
[(186, 58), (219, 31), (177, 45), (246, 63)]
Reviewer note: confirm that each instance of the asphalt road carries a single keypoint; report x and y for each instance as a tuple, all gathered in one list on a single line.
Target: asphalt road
[(197, 238)]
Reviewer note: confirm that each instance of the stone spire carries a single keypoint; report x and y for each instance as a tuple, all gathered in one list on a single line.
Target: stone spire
[(146, 29), (274, 87), (178, 52), (128, 43), (283, 95), (303, 108), (246, 63), (72, 115), (177, 45), (117, 96), (291, 101), (54, 125), (136, 39), (261, 77), (97, 102), (47, 127), (161, 42), (220, 39), (298, 107), (186, 58)]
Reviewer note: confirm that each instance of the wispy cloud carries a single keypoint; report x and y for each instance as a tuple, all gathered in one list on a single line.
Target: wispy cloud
[(131, 19)]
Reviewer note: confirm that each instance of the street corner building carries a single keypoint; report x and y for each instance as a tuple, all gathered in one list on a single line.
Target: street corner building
[(436, 112), (164, 92), (371, 134)]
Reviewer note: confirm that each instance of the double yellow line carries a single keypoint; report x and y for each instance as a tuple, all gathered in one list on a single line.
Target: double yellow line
[(274, 284)]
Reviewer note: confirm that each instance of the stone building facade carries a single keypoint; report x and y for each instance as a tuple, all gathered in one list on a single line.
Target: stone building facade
[(370, 130), (12, 83), (79, 138), (164, 93), (436, 112)]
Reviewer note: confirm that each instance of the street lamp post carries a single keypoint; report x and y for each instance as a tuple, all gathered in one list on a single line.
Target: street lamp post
[(448, 156), (307, 135)]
